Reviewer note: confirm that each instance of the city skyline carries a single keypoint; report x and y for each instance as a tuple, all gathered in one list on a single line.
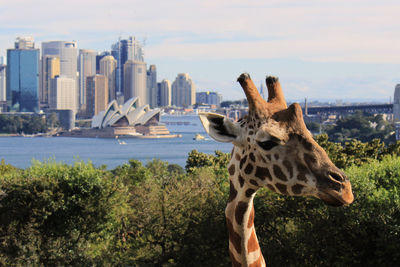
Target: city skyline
[(331, 49)]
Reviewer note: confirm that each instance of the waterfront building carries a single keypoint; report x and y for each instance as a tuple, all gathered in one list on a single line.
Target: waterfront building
[(50, 69), (22, 76), (164, 93), (3, 96), (152, 89), (122, 51), (209, 98), (97, 94), (183, 91), (86, 68), (108, 66), (396, 103), (135, 78), (63, 94)]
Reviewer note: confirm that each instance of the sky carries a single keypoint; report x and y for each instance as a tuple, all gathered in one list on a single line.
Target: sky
[(319, 49)]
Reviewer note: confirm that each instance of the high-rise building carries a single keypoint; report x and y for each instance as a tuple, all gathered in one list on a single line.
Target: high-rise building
[(22, 77), (97, 94), (63, 93), (100, 57), (165, 93), (67, 52), (108, 65), (396, 103), (50, 69), (152, 89), (25, 42), (86, 68), (183, 91), (122, 51), (209, 98), (3, 95), (135, 78)]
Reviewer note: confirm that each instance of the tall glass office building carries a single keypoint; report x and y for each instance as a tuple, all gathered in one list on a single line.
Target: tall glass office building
[(23, 79)]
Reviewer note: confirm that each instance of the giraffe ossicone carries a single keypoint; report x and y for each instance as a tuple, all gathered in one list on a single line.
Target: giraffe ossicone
[(273, 149)]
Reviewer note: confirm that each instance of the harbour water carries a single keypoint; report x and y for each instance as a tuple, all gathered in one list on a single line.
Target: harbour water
[(20, 151)]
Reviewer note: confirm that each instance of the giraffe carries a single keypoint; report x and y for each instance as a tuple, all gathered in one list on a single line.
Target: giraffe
[(271, 148)]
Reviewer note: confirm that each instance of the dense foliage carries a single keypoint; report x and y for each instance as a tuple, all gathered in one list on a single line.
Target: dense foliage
[(28, 124), (360, 126), (55, 214)]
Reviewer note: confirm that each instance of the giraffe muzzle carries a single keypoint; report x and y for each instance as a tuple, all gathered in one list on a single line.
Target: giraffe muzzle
[(334, 197)]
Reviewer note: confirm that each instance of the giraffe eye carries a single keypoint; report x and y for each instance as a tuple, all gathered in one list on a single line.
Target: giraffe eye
[(267, 145)]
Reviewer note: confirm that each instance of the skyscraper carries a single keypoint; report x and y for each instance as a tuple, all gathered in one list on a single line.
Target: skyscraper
[(135, 77), (164, 93), (209, 98), (396, 103), (22, 73), (50, 69), (183, 91), (122, 51), (152, 89), (86, 68), (97, 94), (3, 95), (108, 67), (67, 53), (63, 93)]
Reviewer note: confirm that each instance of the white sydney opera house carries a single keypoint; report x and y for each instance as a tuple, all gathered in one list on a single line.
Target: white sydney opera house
[(128, 120), (127, 115)]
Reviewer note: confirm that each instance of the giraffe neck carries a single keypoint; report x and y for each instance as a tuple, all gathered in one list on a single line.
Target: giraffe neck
[(243, 244)]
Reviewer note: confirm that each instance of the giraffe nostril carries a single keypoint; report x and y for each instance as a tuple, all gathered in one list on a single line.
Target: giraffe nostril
[(337, 177)]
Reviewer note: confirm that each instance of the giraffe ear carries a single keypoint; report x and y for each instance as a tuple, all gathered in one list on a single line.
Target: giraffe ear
[(220, 127)]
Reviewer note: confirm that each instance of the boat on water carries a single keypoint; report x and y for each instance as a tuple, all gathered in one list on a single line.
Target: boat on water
[(199, 137)]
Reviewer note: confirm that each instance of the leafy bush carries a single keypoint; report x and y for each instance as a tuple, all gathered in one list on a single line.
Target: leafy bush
[(55, 214)]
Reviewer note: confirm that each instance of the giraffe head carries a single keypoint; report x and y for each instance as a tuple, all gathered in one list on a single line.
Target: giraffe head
[(274, 149)]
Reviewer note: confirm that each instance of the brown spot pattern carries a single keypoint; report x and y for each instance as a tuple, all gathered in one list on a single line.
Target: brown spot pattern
[(242, 161), (235, 263), (241, 181), (276, 156), (249, 168), (251, 218), (252, 244), (250, 192), (307, 145), (232, 192), (263, 173), (302, 169), (231, 169), (282, 188), (279, 174), (253, 182), (234, 237), (271, 187), (252, 157), (296, 189), (289, 167), (237, 156), (309, 159), (268, 157), (239, 211), (251, 132)]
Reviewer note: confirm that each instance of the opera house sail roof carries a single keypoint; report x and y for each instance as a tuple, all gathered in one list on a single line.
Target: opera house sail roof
[(128, 114)]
